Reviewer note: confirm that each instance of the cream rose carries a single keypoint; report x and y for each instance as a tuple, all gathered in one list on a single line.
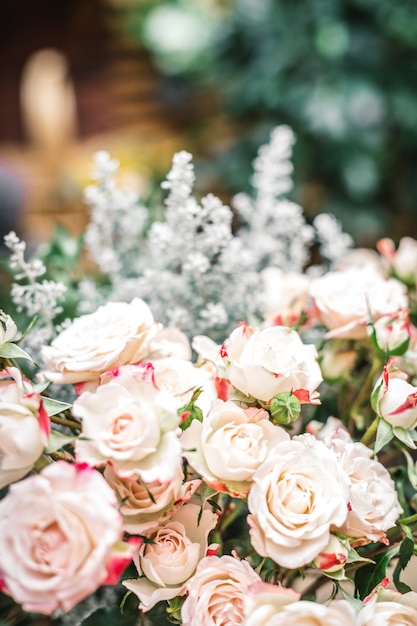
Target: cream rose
[(132, 425), (116, 334), (262, 363), (389, 608), (374, 506), (24, 426), (216, 592), (59, 534), (144, 505), (230, 444), (265, 601), (170, 556), (346, 301), (298, 494)]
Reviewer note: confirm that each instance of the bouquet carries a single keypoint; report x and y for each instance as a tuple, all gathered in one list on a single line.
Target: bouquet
[(209, 428)]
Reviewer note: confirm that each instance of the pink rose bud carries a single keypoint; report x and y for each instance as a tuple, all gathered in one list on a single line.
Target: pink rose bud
[(333, 557), (395, 400), (391, 333)]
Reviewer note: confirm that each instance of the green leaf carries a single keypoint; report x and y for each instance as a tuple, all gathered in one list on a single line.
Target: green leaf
[(405, 553), (384, 434), (369, 576), (52, 407), (111, 616), (12, 351), (405, 436), (57, 441), (411, 469)]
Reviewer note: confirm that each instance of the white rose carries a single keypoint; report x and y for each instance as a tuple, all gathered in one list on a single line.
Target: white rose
[(346, 301), (299, 492), (24, 426), (230, 444), (395, 400), (59, 538), (285, 295), (389, 608), (144, 505), (133, 426), (116, 334), (373, 499), (217, 592), (171, 556), (262, 363)]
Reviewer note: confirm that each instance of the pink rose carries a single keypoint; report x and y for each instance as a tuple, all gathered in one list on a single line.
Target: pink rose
[(230, 444), (346, 301), (298, 494), (60, 535), (144, 505), (116, 334), (262, 363), (374, 506), (217, 591), (24, 426), (170, 556), (131, 424)]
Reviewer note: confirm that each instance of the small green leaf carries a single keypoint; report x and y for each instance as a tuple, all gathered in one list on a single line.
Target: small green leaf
[(405, 554), (12, 351), (57, 441), (384, 434), (52, 407), (405, 436)]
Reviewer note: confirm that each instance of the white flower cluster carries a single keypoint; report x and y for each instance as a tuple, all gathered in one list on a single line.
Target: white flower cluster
[(274, 230), (117, 221), (36, 298), (192, 268)]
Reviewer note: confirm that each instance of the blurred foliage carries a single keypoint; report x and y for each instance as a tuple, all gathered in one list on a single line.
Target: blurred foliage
[(341, 73)]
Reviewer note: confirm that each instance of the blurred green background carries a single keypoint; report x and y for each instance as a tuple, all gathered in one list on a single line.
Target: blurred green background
[(151, 77), (341, 73)]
